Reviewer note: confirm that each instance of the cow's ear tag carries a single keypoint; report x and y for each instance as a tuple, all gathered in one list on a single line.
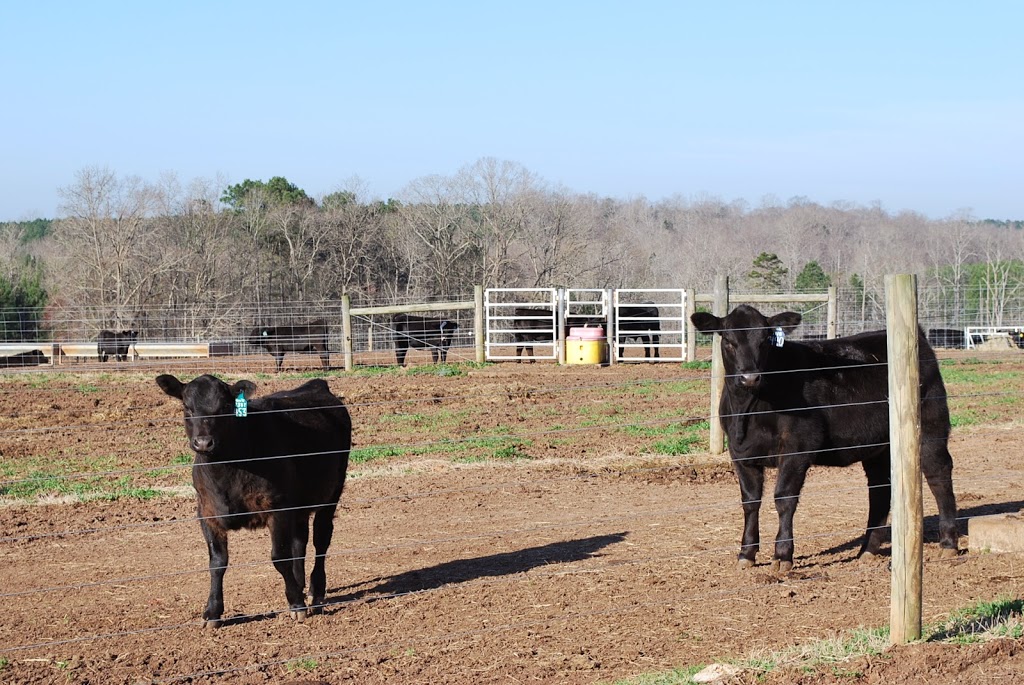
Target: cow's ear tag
[(779, 338), (241, 406)]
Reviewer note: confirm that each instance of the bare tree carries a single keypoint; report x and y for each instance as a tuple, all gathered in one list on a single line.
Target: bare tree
[(107, 231)]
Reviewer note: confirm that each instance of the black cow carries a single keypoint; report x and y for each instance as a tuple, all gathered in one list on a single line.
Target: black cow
[(114, 344), (647, 332), (277, 340), (792, 404), (533, 325), (946, 337), (284, 460), (423, 333), (30, 358)]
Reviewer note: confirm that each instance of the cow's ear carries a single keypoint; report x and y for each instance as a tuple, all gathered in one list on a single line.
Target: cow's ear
[(247, 388), (787, 321), (706, 323), (170, 385)]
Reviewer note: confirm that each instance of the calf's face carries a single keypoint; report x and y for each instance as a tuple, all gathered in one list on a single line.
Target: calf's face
[(748, 341), (209, 405)]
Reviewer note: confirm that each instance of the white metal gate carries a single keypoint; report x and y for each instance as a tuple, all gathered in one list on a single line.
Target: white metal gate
[(521, 320), (652, 321)]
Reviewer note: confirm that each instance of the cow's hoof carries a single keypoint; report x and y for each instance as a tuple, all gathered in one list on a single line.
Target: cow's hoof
[(781, 566), (212, 624), (948, 552), (316, 605), (868, 557), (299, 615), (744, 563)]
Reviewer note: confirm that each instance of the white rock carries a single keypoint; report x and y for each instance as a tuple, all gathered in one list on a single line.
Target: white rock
[(715, 673)]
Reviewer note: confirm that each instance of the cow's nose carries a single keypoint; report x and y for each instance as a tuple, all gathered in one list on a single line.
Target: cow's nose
[(202, 443), (750, 380)]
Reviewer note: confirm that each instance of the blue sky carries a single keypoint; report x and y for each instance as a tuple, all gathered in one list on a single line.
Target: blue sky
[(915, 105)]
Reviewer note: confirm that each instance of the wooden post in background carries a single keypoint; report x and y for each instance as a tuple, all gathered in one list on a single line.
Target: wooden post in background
[(832, 325), (346, 323), (905, 448), (720, 307), (478, 322)]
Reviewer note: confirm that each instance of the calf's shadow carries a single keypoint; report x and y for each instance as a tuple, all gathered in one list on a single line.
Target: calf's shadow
[(464, 570)]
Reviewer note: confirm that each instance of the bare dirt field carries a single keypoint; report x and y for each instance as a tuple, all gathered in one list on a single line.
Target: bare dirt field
[(505, 523)]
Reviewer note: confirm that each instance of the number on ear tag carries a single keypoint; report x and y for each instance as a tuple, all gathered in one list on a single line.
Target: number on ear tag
[(241, 406), (779, 338)]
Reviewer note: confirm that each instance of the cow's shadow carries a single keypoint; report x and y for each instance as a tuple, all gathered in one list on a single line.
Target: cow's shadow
[(463, 570), (931, 525)]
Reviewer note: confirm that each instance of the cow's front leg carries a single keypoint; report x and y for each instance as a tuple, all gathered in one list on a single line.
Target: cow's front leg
[(751, 488), (282, 551), (217, 545), (792, 473)]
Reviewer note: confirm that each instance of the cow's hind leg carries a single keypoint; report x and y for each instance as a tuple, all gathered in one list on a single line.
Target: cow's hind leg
[(751, 480), (937, 465), (323, 530), (879, 497), (283, 543)]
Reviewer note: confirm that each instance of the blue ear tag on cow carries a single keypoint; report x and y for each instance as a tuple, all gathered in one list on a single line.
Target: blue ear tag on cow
[(241, 406), (779, 338)]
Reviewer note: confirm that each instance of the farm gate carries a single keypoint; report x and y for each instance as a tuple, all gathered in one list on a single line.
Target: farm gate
[(542, 317)]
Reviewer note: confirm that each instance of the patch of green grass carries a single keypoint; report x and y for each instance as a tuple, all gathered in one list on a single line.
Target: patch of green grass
[(977, 623), (306, 665), (4, 663), (182, 458), (365, 454), (962, 419), (981, 621), (374, 370), (698, 365), (87, 388), (443, 370)]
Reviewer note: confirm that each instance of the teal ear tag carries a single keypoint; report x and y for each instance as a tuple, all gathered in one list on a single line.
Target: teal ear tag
[(241, 406)]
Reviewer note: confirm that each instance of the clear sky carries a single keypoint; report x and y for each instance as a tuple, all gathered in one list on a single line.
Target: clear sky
[(914, 105)]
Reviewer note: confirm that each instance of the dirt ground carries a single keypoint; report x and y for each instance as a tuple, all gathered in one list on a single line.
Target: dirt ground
[(550, 539)]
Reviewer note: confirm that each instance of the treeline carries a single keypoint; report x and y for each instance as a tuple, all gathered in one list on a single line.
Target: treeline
[(124, 245)]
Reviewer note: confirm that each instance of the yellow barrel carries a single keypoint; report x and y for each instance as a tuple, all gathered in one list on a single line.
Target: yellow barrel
[(586, 346)]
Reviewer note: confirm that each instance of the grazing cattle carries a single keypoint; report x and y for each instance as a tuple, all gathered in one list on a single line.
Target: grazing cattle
[(284, 460), (30, 358), (115, 345), (946, 337), (793, 404), (277, 340), (423, 333), (640, 322)]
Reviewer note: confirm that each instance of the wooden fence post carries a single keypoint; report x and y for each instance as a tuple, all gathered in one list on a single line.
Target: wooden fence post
[(833, 313), (905, 448), (478, 322), (346, 323), (720, 307)]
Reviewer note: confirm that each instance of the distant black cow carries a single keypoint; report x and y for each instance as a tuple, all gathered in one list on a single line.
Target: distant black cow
[(423, 333), (30, 358), (647, 330), (114, 344), (274, 467), (280, 339), (946, 337), (792, 404), (534, 325)]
